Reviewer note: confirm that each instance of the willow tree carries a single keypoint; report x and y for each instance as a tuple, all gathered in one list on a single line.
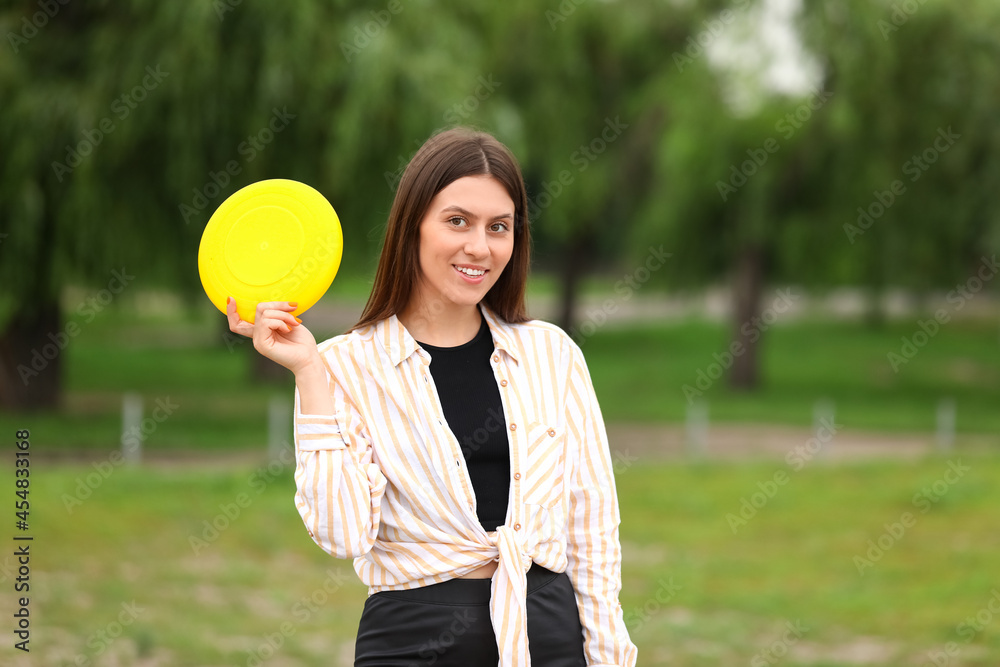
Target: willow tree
[(580, 125), (123, 129), (766, 193), (911, 141)]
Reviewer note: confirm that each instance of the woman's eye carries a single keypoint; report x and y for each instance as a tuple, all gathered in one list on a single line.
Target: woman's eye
[(499, 226), (456, 221)]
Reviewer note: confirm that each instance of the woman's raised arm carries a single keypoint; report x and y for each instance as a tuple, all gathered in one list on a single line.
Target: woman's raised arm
[(339, 487)]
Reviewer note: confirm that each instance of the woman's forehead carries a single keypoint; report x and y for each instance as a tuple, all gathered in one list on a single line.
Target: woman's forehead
[(480, 195)]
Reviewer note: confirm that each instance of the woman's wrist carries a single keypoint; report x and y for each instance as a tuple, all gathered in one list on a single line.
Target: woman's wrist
[(314, 390), (311, 369)]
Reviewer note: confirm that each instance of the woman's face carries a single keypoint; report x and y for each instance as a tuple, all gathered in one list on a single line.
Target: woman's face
[(466, 240)]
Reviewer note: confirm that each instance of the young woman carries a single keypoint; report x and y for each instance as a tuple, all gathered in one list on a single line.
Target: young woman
[(452, 447)]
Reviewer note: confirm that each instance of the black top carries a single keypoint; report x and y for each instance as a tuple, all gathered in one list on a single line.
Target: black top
[(472, 407)]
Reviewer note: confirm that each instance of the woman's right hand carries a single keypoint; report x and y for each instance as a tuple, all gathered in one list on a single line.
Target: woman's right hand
[(277, 334)]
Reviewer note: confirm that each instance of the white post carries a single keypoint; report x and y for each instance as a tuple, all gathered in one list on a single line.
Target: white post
[(279, 426), (946, 424), (823, 414), (131, 439), (697, 428)]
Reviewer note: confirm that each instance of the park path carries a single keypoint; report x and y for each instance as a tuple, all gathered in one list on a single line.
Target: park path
[(776, 442), (631, 442)]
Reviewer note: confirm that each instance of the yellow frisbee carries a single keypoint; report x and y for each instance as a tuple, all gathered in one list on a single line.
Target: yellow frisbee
[(274, 240)]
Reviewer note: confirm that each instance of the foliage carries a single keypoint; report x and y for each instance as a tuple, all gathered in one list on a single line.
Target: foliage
[(885, 93), (123, 126)]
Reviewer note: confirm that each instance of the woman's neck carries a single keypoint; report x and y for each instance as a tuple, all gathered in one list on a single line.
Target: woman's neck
[(447, 327)]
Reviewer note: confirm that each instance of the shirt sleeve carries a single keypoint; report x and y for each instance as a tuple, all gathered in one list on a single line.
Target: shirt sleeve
[(338, 487), (593, 548)]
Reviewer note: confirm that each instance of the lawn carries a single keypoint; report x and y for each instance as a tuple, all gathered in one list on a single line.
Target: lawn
[(139, 558), (640, 373)]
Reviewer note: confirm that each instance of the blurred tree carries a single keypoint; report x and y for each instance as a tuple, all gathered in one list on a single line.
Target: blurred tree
[(156, 113), (912, 135), (124, 127), (770, 191), (572, 76)]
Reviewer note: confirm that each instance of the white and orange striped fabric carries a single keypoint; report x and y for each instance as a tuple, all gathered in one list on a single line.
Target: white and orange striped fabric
[(384, 481)]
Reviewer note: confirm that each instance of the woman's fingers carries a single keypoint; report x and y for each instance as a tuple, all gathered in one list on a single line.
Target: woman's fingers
[(236, 324), (276, 333), (278, 324), (281, 315), (288, 306), (265, 310), (270, 323)]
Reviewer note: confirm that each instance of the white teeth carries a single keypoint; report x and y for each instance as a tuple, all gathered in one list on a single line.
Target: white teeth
[(470, 272)]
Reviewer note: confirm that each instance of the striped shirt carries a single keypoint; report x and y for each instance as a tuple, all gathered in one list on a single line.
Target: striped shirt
[(384, 480)]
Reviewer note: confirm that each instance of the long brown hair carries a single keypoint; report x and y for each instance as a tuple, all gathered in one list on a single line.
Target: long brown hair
[(444, 158)]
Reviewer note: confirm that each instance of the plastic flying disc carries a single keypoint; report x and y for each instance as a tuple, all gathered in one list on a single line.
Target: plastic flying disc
[(275, 240)]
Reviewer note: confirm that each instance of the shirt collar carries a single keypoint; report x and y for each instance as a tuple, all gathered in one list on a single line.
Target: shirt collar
[(503, 334), (399, 344)]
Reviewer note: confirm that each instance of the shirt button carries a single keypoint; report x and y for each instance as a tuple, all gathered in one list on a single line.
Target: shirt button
[(552, 432), (513, 427), (503, 383), (496, 357), (517, 475), (517, 526)]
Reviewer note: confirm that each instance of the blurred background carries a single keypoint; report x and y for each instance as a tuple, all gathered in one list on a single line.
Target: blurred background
[(771, 225)]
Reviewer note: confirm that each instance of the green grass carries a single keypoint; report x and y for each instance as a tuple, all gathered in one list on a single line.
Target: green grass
[(639, 372), (130, 540)]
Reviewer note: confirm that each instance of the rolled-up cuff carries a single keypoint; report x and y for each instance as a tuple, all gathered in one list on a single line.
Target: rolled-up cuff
[(317, 432)]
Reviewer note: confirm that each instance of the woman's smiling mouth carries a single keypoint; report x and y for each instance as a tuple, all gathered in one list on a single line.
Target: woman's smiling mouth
[(471, 274)]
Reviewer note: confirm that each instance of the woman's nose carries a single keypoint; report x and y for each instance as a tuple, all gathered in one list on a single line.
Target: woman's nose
[(477, 245)]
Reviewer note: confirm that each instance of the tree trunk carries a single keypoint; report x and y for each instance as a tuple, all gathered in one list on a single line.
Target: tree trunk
[(575, 259), (874, 310), (263, 369), (747, 288), (31, 351), (874, 316), (32, 344)]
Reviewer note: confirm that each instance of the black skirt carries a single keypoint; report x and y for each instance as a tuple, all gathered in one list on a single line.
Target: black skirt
[(448, 624)]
